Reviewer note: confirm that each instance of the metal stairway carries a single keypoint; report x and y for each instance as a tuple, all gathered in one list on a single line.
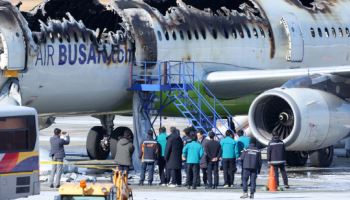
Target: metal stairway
[(189, 95)]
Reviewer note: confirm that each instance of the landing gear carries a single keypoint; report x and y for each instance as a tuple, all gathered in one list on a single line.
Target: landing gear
[(93, 144), (116, 134), (97, 143), (322, 157), (296, 158)]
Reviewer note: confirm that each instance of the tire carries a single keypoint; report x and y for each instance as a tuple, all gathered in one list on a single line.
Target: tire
[(296, 158), (93, 146), (116, 134), (322, 157)]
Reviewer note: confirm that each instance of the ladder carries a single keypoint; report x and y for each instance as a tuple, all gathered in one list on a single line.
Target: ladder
[(177, 79)]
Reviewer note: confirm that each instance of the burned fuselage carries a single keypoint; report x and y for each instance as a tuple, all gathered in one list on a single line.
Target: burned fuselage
[(80, 51)]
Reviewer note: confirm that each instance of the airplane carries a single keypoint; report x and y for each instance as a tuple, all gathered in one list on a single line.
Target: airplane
[(285, 63)]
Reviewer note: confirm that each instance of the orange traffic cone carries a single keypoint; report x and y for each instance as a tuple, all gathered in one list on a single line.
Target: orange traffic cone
[(272, 183)]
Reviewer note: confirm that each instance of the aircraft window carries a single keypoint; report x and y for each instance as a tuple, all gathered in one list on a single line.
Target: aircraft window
[(347, 32), (226, 34), (215, 34), (319, 32), (341, 32), (52, 38), (326, 31), (189, 35), (76, 37), (91, 38), (255, 33), (35, 38), (159, 35), (203, 33), (196, 34), (312, 32), (181, 35), (270, 32), (83, 37), (174, 35), (241, 33), (334, 33), (68, 38), (166, 35), (248, 32), (234, 34), (262, 32)]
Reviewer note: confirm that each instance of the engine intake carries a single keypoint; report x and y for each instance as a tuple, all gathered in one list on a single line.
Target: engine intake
[(305, 119)]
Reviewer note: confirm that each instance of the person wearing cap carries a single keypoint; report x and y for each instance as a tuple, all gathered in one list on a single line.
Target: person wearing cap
[(57, 154), (276, 156), (162, 140), (148, 154), (192, 154), (251, 164), (229, 155), (212, 153)]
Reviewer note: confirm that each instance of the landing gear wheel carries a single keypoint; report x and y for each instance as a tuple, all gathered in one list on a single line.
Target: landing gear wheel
[(116, 134), (93, 144), (296, 158), (322, 157)]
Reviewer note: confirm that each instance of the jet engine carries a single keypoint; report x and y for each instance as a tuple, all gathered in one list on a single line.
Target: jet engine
[(305, 119)]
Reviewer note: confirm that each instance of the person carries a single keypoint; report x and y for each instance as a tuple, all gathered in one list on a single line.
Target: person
[(192, 154), (124, 151), (201, 138), (57, 153), (213, 153), (251, 160), (242, 143), (162, 140), (276, 156), (229, 155), (173, 157), (148, 155)]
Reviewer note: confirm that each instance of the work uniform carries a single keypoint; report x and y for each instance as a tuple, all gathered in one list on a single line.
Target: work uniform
[(213, 154), (148, 155), (193, 153), (251, 164), (242, 143), (276, 156), (229, 155), (161, 139), (57, 154), (172, 155)]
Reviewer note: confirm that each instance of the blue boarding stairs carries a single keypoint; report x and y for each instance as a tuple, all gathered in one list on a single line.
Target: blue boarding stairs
[(160, 84)]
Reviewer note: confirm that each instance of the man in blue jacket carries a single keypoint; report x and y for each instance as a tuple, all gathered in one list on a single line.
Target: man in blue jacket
[(57, 154), (229, 155), (162, 139), (192, 153), (148, 155)]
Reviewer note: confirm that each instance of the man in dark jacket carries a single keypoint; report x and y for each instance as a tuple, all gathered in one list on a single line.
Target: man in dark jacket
[(124, 151), (251, 164), (213, 154), (57, 154), (276, 156), (162, 140), (148, 154), (173, 156), (201, 138)]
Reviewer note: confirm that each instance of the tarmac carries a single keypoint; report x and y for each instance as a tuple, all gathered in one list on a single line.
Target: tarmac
[(305, 182)]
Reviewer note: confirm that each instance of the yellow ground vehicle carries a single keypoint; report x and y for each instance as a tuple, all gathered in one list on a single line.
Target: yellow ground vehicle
[(118, 190)]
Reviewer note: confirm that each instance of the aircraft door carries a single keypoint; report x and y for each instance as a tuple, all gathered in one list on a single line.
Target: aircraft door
[(12, 43), (295, 51)]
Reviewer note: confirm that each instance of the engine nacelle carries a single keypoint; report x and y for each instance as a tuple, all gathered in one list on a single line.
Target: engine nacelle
[(306, 119)]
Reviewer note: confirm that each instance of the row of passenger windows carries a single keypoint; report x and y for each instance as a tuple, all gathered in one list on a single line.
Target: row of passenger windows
[(235, 33), (334, 32)]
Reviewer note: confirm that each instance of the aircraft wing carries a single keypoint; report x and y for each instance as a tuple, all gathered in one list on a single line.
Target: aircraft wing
[(233, 84)]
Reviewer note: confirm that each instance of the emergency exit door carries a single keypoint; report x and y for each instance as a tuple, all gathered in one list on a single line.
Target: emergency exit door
[(295, 49)]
